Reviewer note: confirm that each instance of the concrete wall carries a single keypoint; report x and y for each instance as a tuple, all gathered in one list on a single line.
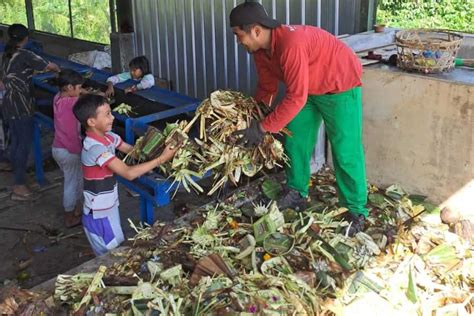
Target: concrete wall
[(419, 132)]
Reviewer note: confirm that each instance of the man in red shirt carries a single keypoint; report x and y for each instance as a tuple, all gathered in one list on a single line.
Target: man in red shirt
[(323, 84)]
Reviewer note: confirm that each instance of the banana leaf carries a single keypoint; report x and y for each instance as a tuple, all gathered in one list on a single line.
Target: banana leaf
[(339, 258)]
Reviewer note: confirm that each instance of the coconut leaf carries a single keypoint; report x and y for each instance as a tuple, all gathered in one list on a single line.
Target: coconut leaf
[(411, 290)]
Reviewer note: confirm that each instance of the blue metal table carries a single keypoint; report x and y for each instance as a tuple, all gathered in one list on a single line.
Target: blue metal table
[(152, 188)]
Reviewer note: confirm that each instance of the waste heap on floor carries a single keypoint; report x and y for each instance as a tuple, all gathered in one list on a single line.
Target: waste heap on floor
[(256, 259)]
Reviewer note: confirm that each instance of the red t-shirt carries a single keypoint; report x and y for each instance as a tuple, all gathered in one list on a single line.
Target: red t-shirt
[(310, 61)]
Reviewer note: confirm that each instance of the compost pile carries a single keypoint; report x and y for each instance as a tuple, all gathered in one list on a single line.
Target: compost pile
[(251, 258), (215, 150)]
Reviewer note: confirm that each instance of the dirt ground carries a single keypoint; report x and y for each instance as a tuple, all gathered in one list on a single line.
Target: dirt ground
[(30, 232)]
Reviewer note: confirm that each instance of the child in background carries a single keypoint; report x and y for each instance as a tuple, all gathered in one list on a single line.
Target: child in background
[(101, 219), (139, 70), (18, 108), (67, 143)]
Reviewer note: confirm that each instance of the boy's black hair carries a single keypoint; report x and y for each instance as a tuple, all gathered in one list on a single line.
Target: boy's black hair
[(86, 107), (140, 62), (68, 77)]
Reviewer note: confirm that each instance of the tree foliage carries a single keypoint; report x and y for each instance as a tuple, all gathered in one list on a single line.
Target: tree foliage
[(446, 14), (12, 11), (91, 18)]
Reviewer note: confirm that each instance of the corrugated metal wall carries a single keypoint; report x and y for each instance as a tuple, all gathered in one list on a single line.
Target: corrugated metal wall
[(190, 42)]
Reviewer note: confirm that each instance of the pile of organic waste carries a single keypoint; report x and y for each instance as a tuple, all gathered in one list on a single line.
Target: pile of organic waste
[(245, 256), (215, 150)]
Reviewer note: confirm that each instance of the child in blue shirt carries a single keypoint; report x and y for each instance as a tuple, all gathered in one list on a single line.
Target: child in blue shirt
[(139, 70)]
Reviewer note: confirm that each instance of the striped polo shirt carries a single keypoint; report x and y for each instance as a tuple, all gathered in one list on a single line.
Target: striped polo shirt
[(100, 185)]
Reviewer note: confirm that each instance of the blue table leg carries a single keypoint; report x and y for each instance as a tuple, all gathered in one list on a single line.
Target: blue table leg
[(146, 210), (38, 154), (149, 212), (129, 137), (162, 195), (143, 208)]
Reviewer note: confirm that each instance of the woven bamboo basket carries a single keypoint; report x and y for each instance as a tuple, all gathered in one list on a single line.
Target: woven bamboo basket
[(427, 50)]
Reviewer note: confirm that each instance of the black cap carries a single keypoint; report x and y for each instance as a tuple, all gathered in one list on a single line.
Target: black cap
[(17, 31), (249, 13)]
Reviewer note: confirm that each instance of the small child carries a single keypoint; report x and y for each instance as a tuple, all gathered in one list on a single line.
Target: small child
[(101, 219), (139, 70), (67, 143)]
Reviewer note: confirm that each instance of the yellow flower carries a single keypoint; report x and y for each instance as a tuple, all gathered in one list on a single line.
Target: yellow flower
[(233, 224)]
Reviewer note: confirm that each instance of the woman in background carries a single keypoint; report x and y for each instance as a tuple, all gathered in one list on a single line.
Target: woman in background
[(18, 66)]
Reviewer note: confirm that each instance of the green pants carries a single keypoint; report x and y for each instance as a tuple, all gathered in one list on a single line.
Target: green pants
[(342, 116)]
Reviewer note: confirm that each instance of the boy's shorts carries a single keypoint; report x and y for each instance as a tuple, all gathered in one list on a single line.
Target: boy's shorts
[(104, 233)]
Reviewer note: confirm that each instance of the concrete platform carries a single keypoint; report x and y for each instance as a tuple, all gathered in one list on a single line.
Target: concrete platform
[(419, 132)]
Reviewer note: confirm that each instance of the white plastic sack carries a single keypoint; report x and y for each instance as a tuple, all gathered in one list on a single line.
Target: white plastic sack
[(95, 58)]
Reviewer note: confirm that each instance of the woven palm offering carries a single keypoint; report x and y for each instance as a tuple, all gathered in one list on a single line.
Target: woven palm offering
[(215, 150), (426, 50)]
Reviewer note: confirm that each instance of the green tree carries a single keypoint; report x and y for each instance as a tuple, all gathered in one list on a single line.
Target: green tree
[(90, 18), (52, 16), (13, 11), (447, 14)]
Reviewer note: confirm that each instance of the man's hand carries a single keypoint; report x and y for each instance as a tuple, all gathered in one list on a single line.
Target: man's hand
[(251, 136)]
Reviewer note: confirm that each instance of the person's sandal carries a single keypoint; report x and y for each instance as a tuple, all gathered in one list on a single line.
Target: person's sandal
[(5, 167), (71, 220), (24, 197)]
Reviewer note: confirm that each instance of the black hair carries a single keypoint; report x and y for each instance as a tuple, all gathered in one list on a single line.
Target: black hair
[(16, 34), (86, 107), (140, 62), (68, 77), (248, 27)]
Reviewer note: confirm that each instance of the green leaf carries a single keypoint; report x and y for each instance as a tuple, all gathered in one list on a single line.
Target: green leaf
[(417, 198), (339, 258), (441, 254), (378, 200), (431, 208), (411, 290), (395, 192), (271, 189)]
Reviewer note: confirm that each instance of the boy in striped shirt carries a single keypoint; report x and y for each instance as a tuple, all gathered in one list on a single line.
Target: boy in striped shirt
[(101, 219)]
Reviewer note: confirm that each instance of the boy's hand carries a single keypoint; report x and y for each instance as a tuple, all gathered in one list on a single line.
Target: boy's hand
[(167, 154), (110, 90), (131, 89), (53, 67)]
